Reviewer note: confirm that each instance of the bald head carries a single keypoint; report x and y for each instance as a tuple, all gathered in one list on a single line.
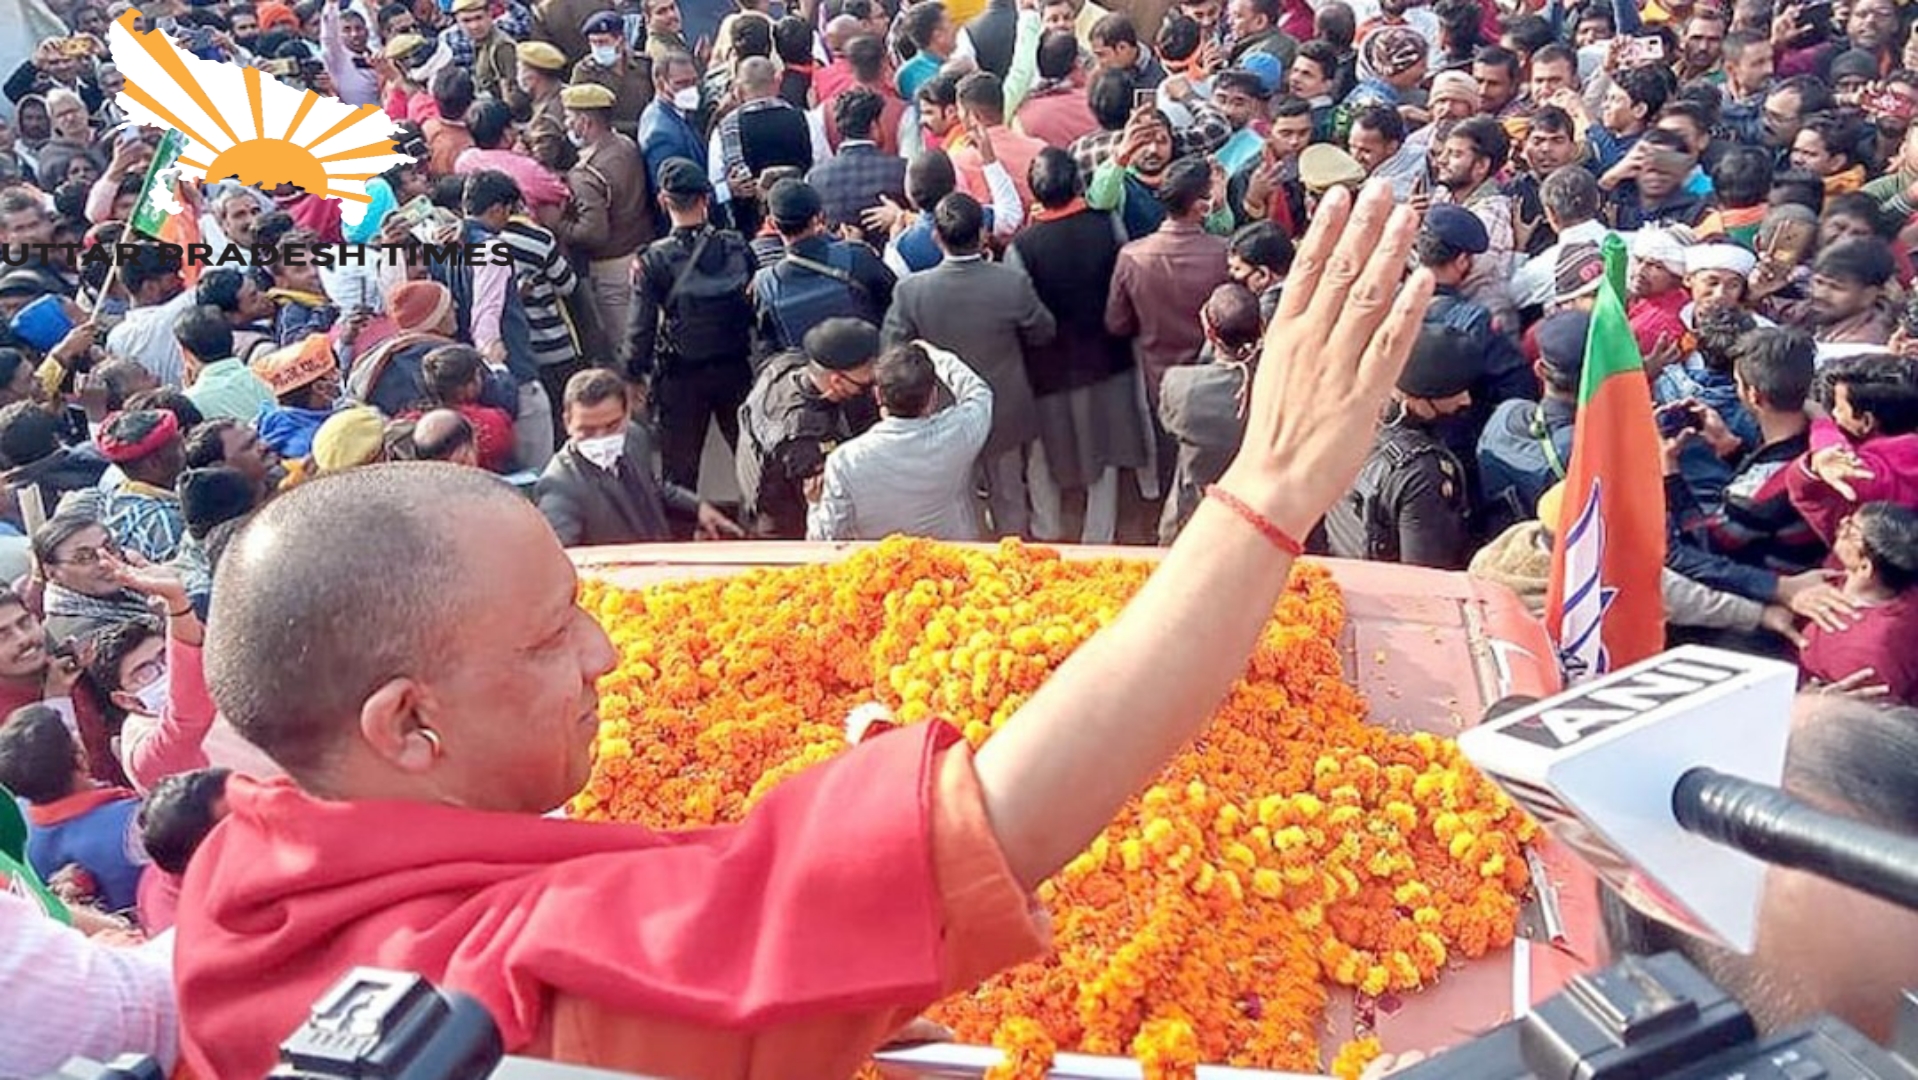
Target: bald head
[(339, 586), (758, 78), (444, 435), (839, 31)]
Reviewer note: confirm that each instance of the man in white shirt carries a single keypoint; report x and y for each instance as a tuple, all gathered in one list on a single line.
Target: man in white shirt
[(63, 994), (145, 336), (912, 472), (1571, 200)]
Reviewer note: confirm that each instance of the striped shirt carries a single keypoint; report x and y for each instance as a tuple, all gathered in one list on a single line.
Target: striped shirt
[(145, 519), (544, 278)]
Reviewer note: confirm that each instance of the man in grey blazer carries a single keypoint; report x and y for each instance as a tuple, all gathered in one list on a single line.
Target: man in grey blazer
[(601, 487), (988, 314)]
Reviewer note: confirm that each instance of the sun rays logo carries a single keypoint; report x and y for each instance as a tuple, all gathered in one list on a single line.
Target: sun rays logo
[(241, 124)]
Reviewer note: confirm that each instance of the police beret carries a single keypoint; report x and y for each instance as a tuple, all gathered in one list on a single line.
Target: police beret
[(683, 176), (1561, 342), (603, 22), (1458, 228), (1444, 363), (842, 344), (792, 203)]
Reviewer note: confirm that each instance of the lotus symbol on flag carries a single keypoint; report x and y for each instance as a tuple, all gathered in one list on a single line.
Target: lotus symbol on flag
[(242, 124), (1581, 648)]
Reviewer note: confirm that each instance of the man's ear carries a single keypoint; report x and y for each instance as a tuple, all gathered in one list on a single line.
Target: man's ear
[(393, 722)]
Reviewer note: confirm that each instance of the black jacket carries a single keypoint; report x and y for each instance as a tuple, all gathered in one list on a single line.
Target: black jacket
[(588, 506), (1408, 505), (693, 313), (1070, 261)]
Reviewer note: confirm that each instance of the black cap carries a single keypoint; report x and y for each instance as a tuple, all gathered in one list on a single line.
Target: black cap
[(603, 22), (842, 344), (683, 176), (793, 203), (1458, 228), (1443, 364), (1561, 342)]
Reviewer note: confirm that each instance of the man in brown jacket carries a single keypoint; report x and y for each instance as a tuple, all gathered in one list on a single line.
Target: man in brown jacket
[(610, 217)]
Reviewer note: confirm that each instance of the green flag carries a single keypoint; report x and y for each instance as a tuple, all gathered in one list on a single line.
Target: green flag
[(147, 213)]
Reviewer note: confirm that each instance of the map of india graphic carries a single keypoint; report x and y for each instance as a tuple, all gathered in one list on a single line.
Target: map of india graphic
[(239, 123)]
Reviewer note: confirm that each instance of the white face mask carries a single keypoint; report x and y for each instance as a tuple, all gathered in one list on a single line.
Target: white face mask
[(154, 695), (605, 55), (604, 451), (686, 100), (576, 138)]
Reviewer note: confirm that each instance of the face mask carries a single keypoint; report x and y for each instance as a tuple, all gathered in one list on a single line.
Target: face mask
[(686, 100), (604, 451), (605, 55), (153, 696), (576, 138)]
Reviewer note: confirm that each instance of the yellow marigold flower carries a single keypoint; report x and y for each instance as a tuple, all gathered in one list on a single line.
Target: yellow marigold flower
[(1354, 1056), (1378, 979), (1167, 1049), (1460, 844), (1203, 881), (1268, 883)]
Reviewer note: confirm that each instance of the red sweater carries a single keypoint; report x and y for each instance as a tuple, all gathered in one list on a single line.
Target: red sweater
[(1879, 640)]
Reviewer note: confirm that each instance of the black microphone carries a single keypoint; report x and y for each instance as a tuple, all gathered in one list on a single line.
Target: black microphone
[(1768, 824)]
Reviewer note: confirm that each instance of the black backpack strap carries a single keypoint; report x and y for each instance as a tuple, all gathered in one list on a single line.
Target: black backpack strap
[(679, 282)]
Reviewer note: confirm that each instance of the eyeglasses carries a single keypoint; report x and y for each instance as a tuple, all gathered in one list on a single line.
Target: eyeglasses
[(146, 674), (861, 385), (88, 556)]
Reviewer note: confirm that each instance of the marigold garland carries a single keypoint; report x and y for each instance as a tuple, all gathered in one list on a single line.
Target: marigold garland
[(1292, 847), (1027, 1048), (1351, 1060)]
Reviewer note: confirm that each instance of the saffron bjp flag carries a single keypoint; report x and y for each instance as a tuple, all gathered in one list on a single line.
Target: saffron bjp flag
[(1603, 607)]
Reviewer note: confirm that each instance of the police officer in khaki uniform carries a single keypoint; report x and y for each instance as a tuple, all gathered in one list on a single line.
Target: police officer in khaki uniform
[(542, 74), (611, 63), (1409, 504), (610, 218), (494, 66)]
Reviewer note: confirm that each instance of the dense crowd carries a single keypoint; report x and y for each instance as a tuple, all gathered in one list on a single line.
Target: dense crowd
[(950, 270)]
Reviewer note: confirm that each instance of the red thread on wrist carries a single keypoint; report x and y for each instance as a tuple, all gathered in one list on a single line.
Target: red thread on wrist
[(1279, 537)]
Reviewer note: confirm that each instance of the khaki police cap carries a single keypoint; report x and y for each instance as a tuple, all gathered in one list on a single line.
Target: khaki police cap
[(541, 56), (403, 46), (1323, 167), (586, 96)]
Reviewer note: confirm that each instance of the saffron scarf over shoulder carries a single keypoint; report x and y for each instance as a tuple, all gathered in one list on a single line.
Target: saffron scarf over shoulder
[(822, 902)]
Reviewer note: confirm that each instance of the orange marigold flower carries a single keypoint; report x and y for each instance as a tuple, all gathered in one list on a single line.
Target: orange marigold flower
[(1294, 846)]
